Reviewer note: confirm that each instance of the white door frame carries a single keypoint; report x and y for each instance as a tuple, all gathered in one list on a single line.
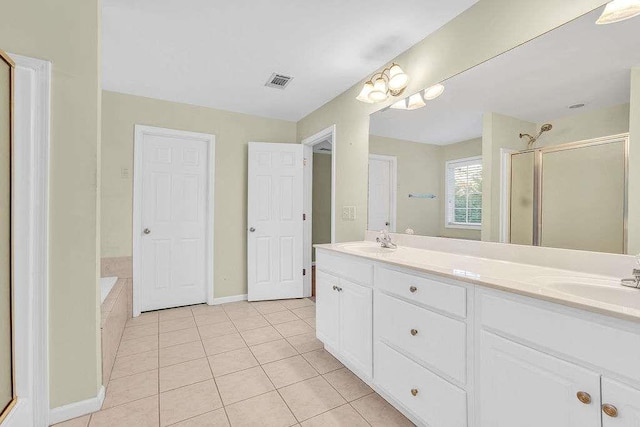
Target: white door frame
[(393, 178), (323, 135), (32, 114), (140, 132), (505, 193)]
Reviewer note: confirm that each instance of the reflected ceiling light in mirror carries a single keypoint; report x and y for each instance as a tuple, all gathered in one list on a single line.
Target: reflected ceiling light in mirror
[(415, 102), (400, 105), (619, 10), (433, 92), (391, 81)]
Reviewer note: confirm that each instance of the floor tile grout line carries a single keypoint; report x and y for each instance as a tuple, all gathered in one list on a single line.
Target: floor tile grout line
[(215, 383)]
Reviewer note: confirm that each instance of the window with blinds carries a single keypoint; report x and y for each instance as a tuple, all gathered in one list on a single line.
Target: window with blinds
[(464, 193)]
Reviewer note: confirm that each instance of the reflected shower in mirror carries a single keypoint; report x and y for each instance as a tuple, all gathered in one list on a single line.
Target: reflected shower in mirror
[(533, 147), (7, 395)]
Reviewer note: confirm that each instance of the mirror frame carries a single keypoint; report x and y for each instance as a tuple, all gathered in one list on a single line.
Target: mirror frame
[(4, 412)]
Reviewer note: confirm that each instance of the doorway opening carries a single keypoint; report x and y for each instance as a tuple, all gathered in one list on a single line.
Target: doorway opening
[(319, 198)]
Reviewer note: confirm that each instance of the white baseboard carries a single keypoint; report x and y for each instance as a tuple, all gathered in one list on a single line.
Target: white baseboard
[(76, 409), (234, 298)]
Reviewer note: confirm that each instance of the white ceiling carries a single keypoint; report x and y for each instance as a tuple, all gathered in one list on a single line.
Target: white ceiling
[(219, 53), (579, 62)]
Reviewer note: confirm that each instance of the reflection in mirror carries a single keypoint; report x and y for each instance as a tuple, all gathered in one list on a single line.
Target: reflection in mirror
[(6, 351), (530, 147)]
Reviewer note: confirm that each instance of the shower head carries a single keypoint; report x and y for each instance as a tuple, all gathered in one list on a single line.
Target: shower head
[(532, 139)]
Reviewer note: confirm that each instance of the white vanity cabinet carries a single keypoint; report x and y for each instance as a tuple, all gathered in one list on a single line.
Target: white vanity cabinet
[(344, 306), (541, 364), (447, 353)]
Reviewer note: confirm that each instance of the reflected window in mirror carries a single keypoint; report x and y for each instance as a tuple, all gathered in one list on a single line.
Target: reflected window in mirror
[(464, 193)]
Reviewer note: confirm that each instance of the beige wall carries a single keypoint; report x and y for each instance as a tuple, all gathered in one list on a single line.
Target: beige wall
[(120, 113), (634, 164), (421, 169), (485, 30), (67, 34), (321, 204), (592, 124)]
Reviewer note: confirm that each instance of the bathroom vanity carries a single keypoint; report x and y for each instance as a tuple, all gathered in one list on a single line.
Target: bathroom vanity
[(455, 340)]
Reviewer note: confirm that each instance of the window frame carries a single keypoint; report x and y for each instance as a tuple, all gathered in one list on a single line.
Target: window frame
[(450, 165)]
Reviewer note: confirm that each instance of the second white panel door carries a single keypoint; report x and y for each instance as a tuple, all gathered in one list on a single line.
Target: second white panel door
[(275, 222), (382, 199)]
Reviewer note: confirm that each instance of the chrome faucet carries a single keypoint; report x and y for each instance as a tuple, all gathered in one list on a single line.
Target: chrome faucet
[(385, 240), (635, 281)]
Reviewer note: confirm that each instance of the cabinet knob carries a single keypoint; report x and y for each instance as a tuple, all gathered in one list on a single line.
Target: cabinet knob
[(413, 289), (584, 397), (610, 410), (146, 231), (414, 391), (414, 332), (335, 288)]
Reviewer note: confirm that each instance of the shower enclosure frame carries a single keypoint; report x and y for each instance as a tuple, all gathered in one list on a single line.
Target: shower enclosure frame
[(537, 182)]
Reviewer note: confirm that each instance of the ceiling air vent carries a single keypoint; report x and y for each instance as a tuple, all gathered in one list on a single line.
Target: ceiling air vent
[(278, 81)]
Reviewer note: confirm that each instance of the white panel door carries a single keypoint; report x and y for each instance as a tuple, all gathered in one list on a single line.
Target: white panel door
[(625, 400), (380, 207), (523, 387), (174, 221), (274, 219)]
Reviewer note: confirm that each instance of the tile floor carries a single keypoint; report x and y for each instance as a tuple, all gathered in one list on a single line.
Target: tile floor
[(238, 364)]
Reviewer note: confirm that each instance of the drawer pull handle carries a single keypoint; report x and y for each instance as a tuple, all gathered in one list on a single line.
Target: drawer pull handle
[(414, 332), (413, 289), (414, 391), (610, 410), (584, 397)]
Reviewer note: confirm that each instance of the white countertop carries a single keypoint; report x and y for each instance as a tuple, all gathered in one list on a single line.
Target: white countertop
[(600, 294)]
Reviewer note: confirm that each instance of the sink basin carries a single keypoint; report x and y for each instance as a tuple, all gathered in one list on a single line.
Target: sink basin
[(603, 290)]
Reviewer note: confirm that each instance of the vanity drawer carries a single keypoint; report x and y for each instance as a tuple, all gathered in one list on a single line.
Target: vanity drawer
[(439, 341), (436, 402), (560, 330), (345, 266), (439, 295)]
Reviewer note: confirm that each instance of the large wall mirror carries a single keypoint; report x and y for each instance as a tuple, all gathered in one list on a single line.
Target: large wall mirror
[(7, 392), (530, 147)]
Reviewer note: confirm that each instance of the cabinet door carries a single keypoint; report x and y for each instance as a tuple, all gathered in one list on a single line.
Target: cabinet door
[(327, 309), (356, 326), (523, 387), (626, 401)]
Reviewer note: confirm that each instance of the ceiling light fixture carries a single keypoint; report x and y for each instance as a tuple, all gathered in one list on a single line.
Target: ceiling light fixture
[(391, 81), (619, 10), (433, 92)]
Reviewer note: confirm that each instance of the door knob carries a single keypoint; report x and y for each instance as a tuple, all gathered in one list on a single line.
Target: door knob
[(252, 229), (146, 231), (610, 410), (584, 397)]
